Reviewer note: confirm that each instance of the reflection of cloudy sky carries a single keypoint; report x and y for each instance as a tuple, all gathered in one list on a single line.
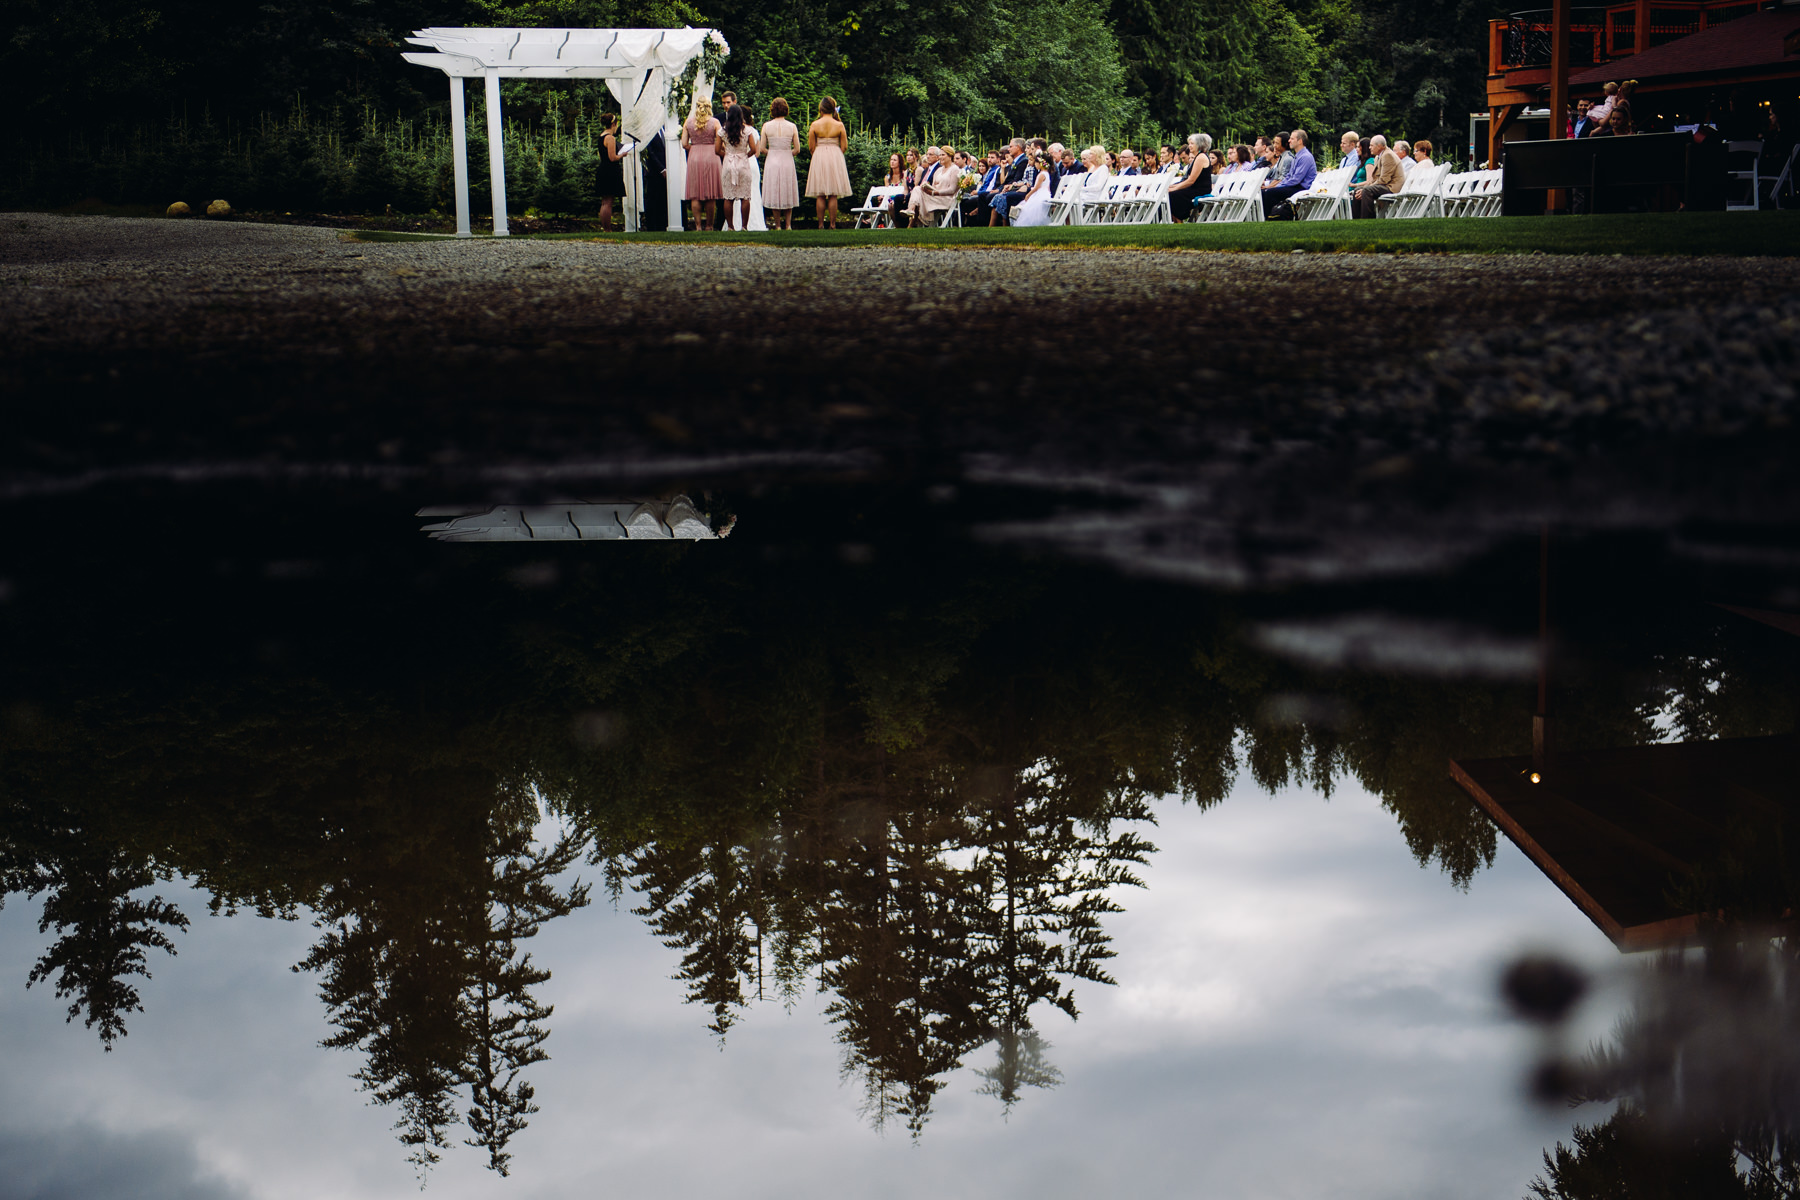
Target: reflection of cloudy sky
[(1302, 1012)]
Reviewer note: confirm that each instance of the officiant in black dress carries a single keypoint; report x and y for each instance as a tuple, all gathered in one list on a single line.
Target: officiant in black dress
[(609, 181)]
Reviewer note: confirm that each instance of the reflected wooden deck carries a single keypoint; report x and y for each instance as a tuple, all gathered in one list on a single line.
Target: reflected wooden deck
[(1615, 828)]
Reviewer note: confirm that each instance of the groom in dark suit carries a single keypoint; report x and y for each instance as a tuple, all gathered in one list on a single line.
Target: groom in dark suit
[(656, 183)]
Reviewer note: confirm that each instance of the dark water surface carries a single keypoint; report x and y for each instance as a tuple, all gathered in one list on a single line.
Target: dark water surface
[(911, 840)]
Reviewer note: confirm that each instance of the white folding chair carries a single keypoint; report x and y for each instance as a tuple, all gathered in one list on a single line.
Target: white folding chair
[(1240, 199), (1418, 197), (1328, 199), (877, 214), (1454, 195), (1786, 178), (1153, 201), (1752, 177)]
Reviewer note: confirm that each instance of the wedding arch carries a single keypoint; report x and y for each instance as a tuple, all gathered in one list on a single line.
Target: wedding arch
[(639, 66)]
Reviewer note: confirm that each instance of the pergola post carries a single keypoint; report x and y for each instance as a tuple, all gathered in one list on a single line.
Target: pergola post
[(1559, 81), (1640, 33), (497, 150), (459, 138)]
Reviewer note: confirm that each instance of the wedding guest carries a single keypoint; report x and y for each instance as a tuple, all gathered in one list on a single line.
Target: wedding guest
[(1618, 122), (1281, 160), (828, 177), (1021, 179), (936, 193), (1184, 196), (1385, 176), (1581, 126), (1360, 176), (1128, 164), (1165, 158), (781, 182), (697, 136), (737, 149), (610, 182), (1034, 207), (1112, 161), (1301, 171), (1403, 152), (991, 180), (1350, 148), (1421, 152)]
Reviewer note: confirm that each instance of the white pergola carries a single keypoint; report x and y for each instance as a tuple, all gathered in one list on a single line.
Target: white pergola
[(636, 64)]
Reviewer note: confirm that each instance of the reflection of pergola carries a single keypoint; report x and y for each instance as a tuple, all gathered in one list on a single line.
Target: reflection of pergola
[(636, 63)]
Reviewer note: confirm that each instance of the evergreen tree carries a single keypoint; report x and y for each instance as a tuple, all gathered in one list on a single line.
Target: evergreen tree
[(103, 931)]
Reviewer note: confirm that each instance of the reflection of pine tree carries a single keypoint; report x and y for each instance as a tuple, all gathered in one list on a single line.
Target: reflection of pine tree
[(703, 901), (506, 1021), (422, 971), (894, 943), (103, 932), (1046, 856)]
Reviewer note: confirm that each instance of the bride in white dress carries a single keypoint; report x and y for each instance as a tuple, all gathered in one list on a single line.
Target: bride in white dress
[(1034, 209), (759, 223)]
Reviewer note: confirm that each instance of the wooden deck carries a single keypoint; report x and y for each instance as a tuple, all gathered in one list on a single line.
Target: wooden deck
[(1615, 828)]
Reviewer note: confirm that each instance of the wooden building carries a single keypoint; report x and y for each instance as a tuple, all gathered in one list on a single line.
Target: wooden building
[(1696, 54)]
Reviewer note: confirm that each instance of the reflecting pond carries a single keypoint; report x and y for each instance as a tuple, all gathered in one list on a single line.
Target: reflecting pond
[(861, 837)]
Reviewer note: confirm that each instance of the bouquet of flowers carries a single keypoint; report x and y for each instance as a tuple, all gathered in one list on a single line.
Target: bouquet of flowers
[(967, 184)]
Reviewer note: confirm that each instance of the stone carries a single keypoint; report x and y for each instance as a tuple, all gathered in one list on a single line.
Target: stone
[(178, 209), (218, 208)]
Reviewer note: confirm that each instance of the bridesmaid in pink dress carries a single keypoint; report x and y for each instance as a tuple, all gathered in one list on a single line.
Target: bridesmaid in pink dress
[(697, 136), (781, 183)]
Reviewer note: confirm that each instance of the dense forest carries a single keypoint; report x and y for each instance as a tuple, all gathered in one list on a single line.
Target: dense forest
[(986, 67)]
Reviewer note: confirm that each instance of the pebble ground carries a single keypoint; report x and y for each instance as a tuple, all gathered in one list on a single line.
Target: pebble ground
[(136, 342)]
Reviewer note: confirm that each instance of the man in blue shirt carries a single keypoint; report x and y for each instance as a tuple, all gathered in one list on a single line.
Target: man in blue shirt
[(1300, 175)]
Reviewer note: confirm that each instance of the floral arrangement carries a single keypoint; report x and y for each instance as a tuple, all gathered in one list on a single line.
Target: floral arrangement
[(967, 184)]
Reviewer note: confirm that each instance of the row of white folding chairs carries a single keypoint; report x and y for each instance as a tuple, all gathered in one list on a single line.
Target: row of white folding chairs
[(1113, 200), (1129, 200), (1235, 197), (1420, 196), (1472, 194), (1328, 199)]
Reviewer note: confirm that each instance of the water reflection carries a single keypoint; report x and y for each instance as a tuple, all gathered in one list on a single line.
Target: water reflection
[(922, 792)]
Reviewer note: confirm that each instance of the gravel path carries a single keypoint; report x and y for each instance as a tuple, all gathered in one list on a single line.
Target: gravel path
[(193, 342)]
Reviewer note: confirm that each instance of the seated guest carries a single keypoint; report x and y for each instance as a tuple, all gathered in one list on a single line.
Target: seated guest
[(1053, 155), (1300, 174), (1184, 196), (1128, 163), (1112, 161), (1350, 147), (1021, 180), (1071, 164), (991, 179), (1280, 159), (1384, 176), (1165, 158), (1403, 151), (936, 193), (1095, 173), (1421, 152), (1360, 175)]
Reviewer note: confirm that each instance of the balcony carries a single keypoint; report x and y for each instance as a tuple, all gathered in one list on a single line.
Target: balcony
[(1597, 35)]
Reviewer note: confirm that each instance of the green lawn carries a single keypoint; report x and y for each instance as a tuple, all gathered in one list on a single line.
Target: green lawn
[(1743, 234)]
